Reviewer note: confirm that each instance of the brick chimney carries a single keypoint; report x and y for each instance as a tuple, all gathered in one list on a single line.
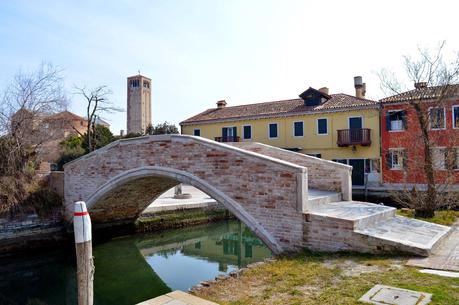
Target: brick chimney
[(420, 85), (360, 87), (221, 104), (324, 90)]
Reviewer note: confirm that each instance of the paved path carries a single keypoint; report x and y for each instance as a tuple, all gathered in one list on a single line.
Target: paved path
[(177, 298), (167, 202), (446, 257)]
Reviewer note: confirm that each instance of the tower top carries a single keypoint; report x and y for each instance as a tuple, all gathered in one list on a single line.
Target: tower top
[(139, 75)]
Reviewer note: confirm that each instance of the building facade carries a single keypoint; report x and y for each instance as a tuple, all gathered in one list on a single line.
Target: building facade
[(337, 127), (401, 137), (138, 103)]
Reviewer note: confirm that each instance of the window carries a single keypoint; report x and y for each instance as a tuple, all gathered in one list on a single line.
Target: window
[(437, 118), (396, 120), (247, 132), (298, 129), (396, 158), (439, 157), (452, 158), (273, 132), (134, 83), (456, 116), (197, 132), (146, 84), (322, 127)]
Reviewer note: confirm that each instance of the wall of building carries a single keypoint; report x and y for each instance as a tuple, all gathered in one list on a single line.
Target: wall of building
[(311, 142), (410, 140)]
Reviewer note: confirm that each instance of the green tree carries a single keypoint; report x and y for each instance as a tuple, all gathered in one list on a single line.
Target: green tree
[(163, 128)]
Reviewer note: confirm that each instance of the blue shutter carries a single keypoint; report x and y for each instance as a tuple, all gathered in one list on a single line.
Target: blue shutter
[(388, 121)]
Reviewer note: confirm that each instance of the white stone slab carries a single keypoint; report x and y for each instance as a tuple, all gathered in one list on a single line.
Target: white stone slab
[(440, 272), (386, 295)]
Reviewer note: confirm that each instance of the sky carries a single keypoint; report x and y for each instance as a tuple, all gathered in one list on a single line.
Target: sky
[(198, 52)]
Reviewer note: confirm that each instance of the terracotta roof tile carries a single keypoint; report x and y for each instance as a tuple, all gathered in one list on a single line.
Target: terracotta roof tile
[(338, 102), (424, 94)]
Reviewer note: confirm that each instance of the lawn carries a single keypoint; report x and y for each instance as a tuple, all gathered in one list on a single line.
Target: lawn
[(447, 217), (326, 278)]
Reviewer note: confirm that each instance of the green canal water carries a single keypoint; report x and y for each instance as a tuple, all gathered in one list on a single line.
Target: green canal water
[(133, 268)]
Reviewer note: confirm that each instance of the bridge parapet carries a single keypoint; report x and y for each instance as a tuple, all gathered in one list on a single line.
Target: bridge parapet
[(322, 174)]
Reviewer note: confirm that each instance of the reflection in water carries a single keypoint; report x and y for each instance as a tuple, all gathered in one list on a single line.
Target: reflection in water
[(134, 268)]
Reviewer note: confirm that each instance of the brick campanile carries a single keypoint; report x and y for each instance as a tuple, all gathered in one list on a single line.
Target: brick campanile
[(138, 103)]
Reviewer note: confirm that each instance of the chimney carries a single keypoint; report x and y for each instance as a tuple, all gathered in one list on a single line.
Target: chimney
[(324, 90), (359, 87), (221, 104), (420, 85)]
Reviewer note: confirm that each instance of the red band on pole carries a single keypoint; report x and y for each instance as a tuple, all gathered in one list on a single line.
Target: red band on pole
[(80, 213)]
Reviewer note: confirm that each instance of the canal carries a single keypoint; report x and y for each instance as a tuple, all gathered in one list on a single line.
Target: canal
[(134, 268)]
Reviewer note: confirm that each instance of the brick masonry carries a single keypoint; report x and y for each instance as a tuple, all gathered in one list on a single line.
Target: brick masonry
[(120, 180)]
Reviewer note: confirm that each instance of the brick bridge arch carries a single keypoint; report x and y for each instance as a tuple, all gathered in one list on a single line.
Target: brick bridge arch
[(120, 180)]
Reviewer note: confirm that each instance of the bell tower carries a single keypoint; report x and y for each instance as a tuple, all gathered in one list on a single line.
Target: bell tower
[(138, 103)]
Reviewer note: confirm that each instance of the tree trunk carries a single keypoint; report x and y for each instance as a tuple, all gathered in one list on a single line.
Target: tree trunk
[(431, 198)]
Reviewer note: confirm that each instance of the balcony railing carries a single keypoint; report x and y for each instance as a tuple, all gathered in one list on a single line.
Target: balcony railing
[(227, 139), (357, 136)]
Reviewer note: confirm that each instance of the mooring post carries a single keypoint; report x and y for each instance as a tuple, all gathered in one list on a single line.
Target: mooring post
[(83, 246)]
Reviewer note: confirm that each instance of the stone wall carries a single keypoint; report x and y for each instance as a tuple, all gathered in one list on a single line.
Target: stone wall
[(322, 174), (120, 180)]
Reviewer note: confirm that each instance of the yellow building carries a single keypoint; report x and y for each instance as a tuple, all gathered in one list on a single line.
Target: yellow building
[(337, 127)]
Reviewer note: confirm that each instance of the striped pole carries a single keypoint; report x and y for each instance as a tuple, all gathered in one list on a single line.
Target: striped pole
[(83, 246)]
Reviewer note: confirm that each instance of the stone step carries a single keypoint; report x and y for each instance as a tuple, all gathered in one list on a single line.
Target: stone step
[(408, 235), (359, 214), (317, 198)]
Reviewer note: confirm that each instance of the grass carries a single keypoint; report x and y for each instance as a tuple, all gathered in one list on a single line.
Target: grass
[(447, 217), (311, 278)]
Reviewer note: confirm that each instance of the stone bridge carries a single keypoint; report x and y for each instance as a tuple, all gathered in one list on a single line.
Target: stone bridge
[(288, 199)]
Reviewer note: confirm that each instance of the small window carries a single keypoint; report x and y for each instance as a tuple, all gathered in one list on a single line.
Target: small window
[(396, 120), (322, 126), (273, 132), (396, 158), (146, 84), (247, 132), (298, 129), (437, 118), (197, 132), (456, 116)]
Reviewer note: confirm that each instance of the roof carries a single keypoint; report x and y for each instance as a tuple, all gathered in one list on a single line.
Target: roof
[(337, 102), (65, 115), (425, 93)]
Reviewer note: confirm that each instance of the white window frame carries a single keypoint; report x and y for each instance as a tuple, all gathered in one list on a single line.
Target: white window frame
[(293, 129), (354, 117), (400, 163), (229, 128), (444, 118), (251, 131), (452, 117), (445, 161), (317, 127), (194, 132), (277, 127), (457, 158), (396, 110)]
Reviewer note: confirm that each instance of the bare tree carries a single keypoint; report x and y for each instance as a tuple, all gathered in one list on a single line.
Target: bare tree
[(26, 100), (435, 80), (97, 102)]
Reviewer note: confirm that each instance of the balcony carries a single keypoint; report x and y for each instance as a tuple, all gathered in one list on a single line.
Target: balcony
[(357, 136), (227, 139)]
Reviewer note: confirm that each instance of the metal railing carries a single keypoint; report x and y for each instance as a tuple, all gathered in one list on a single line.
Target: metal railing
[(227, 139), (356, 136)]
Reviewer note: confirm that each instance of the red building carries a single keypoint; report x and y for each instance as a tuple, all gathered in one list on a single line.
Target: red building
[(401, 135)]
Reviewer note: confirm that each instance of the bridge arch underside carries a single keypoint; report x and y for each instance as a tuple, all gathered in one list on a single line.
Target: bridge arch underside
[(123, 198)]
